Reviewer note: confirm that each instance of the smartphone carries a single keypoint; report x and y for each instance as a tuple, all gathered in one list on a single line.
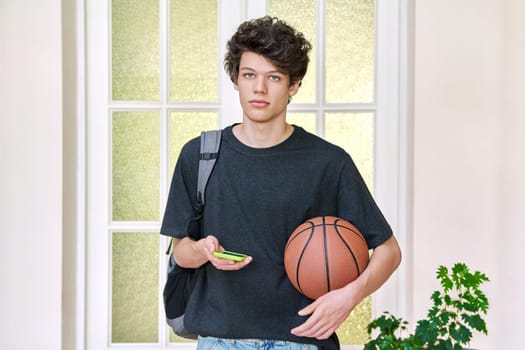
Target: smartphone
[(230, 255)]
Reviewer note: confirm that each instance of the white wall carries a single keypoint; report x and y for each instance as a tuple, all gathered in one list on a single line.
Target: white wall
[(511, 278), (468, 163), (31, 174), (468, 154)]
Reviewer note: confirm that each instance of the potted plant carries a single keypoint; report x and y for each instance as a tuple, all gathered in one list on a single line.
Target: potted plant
[(457, 311)]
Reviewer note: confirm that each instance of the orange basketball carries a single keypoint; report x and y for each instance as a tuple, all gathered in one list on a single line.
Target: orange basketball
[(323, 254)]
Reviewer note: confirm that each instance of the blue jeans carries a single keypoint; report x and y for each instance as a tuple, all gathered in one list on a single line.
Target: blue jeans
[(211, 343)]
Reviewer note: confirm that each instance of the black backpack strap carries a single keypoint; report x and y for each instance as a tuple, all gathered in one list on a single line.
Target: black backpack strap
[(210, 143), (209, 151)]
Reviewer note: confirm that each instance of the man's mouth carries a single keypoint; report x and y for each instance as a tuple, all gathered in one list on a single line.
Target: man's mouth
[(259, 103)]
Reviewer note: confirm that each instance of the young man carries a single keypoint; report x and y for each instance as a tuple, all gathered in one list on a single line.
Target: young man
[(270, 177)]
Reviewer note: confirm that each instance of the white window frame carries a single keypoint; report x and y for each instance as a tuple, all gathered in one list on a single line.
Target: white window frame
[(392, 152)]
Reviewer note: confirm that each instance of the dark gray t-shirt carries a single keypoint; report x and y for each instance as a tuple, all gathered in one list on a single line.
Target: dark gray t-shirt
[(255, 198)]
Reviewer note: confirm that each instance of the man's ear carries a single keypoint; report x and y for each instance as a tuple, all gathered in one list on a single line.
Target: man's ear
[(294, 88)]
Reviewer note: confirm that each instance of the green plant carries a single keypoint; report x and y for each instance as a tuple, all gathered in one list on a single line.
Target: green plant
[(457, 311)]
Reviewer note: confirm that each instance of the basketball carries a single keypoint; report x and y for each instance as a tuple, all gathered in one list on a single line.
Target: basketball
[(323, 254)]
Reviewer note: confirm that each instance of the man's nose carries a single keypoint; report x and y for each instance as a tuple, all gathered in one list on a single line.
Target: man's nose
[(260, 85)]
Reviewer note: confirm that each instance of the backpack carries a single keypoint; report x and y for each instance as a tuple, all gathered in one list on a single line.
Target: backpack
[(180, 281)]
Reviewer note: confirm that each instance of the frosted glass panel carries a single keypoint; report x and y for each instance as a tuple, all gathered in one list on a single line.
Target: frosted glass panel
[(135, 277), (185, 126), (355, 133), (193, 51), (350, 51), (135, 50), (353, 330), (135, 165), (300, 14), (304, 120)]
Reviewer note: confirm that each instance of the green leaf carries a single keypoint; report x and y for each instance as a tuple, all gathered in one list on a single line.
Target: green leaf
[(442, 275), (459, 271), (432, 312), (446, 316), (475, 321), (460, 334), (481, 277), (483, 300), (426, 332), (436, 298), (443, 344)]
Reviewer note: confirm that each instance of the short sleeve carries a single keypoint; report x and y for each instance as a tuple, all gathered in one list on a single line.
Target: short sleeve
[(182, 194), (356, 204)]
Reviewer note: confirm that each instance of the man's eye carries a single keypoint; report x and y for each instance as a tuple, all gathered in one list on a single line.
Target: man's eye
[(274, 78), (249, 75)]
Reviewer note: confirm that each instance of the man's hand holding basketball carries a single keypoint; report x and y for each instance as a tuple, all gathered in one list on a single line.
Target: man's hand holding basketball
[(327, 313)]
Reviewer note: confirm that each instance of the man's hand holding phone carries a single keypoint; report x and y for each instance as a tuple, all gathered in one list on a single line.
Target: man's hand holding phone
[(226, 254), (228, 260)]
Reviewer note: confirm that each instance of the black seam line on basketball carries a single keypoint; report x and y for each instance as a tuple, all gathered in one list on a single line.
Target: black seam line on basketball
[(358, 234), (301, 258), (327, 265), (349, 249), (312, 225), (290, 240)]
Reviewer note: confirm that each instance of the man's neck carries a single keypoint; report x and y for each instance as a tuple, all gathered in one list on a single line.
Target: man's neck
[(262, 135)]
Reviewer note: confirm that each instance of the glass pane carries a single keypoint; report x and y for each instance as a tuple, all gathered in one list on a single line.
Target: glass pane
[(193, 51), (355, 133), (185, 126), (350, 51), (135, 281), (135, 160), (135, 50), (304, 120), (353, 330), (300, 14)]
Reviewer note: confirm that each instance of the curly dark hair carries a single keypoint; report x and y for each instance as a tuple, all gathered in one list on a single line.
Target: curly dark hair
[(272, 38)]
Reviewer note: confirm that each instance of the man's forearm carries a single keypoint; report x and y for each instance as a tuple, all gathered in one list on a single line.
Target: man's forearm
[(384, 261), (188, 253)]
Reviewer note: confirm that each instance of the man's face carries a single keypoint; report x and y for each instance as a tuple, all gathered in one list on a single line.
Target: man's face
[(263, 88)]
